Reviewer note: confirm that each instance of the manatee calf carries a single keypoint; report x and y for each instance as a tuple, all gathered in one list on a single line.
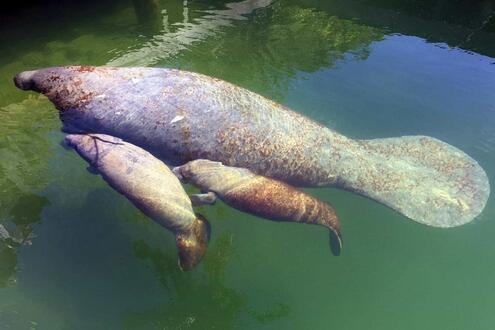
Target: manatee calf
[(259, 195), (150, 186), (180, 116)]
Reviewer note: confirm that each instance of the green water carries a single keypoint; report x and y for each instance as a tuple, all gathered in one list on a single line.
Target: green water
[(368, 69)]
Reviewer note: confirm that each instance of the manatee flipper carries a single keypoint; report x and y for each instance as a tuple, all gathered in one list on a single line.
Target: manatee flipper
[(192, 244), (425, 179), (208, 198)]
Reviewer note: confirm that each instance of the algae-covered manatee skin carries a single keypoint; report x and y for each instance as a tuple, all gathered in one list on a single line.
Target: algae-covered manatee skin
[(181, 116), (150, 185)]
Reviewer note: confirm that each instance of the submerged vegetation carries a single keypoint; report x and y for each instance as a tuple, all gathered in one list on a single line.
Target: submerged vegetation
[(24, 150), (202, 299), (279, 44)]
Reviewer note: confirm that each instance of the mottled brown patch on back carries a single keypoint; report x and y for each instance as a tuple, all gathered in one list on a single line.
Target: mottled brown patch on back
[(85, 68), (278, 201)]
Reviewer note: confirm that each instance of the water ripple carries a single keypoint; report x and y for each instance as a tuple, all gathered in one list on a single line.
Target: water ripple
[(172, 43)]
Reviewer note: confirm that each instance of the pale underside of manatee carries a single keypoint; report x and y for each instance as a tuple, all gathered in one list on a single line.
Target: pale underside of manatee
[(181, 116)]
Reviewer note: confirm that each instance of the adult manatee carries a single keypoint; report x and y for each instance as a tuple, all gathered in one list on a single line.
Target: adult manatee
[(150, 186), (181, 116), (259, 195)]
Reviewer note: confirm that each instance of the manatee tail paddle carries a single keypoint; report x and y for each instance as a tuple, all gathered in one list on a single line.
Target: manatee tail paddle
[(335, 241), (423, 178), (192, 244)]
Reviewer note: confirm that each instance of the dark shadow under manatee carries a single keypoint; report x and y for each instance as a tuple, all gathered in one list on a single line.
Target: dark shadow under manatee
[(18, 231), (197, 299)]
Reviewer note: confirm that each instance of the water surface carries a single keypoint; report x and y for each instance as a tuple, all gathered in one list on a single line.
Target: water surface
[(368, 69)]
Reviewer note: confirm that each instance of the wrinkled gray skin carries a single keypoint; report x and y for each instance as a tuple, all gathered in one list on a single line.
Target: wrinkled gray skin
[(150, 186), (180, 116)]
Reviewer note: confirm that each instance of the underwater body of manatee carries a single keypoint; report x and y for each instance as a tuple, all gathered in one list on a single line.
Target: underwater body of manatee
[(259, 195), (180, 116), (150, 186)]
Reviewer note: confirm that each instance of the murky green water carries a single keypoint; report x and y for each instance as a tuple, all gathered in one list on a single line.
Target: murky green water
[(368, 69)]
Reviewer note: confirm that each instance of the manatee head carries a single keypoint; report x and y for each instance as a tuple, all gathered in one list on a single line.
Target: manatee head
[(212, 176), (91, 146), (85, 145), (80, 93), (68, 87), (196, 168)]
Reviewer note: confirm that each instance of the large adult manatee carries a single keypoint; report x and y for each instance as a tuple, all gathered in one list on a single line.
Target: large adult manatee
[(151, 186), (181, 116)]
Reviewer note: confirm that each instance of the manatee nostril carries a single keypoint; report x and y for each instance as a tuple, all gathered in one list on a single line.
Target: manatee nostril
[(24, 80)]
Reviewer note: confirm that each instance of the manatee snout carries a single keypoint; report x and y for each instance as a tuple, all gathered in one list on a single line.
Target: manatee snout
[(25, 80), (187, 172), (73, 140), (84, 144)]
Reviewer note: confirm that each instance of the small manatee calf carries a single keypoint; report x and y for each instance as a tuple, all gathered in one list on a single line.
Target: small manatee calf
[(259, 195), (151, 186), (180, 116)]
